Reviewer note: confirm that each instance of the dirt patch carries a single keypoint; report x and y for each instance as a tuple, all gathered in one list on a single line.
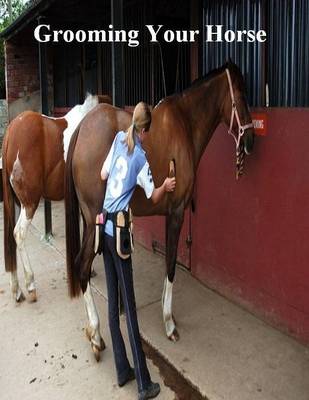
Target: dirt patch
[(183, 389)]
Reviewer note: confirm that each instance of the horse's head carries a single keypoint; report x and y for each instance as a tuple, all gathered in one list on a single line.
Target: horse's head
[(236, 113)]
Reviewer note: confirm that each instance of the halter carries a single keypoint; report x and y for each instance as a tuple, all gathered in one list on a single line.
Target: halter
[(234, 112)]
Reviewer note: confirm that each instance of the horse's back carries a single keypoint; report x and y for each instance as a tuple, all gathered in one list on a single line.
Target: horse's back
[(30, 128)]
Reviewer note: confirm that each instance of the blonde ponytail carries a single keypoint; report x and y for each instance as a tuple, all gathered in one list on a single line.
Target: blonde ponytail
[(130, 139), (141, 120)]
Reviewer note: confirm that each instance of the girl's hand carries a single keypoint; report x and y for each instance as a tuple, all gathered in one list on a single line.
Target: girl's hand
[(170, 184)]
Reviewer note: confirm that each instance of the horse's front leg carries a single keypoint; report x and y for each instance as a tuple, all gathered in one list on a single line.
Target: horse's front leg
[(173, 227)]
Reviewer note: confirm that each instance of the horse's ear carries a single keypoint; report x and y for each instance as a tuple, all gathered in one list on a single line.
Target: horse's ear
[(229, 63)]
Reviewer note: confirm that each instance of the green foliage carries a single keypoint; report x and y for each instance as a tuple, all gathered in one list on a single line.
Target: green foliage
[(18, 6)]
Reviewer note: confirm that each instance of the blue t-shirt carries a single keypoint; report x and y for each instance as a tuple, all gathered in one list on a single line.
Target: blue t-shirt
[(125, 171)]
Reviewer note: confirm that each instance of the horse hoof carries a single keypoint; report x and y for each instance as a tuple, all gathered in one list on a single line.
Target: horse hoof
[(32, 296), (174, 337), (96, 352), (20, 297), (102, 345), (93, 345), (88, 333)]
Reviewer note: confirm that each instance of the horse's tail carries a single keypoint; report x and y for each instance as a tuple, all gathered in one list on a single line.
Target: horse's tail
[(72, 222), (1, 182), (8, 216)]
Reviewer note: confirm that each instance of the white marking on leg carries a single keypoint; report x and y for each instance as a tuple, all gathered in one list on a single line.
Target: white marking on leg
[(15, 288), (167, 297), (20, 233), (93, 317), (16, 170), (74, 117)]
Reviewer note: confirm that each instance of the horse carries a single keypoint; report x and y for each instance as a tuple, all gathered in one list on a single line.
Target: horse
[(182, 125), (34, 152)]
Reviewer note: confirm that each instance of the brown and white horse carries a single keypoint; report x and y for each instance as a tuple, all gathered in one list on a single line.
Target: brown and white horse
[(181, 128), (33, 157)]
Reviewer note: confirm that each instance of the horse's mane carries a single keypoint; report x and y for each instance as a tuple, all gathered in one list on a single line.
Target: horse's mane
[(232, 67), (207, 77)]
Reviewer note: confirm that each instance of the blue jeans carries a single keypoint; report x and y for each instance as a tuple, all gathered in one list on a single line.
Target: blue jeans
[(119, 272)]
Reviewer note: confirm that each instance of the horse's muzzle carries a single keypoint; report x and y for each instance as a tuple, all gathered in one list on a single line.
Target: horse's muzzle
[(249, 143)]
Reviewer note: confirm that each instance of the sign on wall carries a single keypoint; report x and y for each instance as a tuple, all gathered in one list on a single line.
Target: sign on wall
[(260, 123)]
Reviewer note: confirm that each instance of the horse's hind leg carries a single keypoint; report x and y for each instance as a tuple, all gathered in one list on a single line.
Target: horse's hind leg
[(20, 233), (15, 288), (173, 227), (93, 329), (86, 257)]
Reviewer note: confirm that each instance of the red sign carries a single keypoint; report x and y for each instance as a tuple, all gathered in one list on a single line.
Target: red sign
[(260, 123)]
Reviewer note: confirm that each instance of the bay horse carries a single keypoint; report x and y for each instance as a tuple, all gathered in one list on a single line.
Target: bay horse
[(34, 152), (182, 125)]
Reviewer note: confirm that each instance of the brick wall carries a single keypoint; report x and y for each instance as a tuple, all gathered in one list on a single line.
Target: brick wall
[(22, 67), (3, 119)]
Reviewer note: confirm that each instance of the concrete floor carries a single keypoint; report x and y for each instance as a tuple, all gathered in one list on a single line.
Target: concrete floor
[(44, 353), (223, 350)]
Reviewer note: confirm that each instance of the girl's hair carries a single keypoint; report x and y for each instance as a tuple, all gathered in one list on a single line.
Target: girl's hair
[(141, 120)]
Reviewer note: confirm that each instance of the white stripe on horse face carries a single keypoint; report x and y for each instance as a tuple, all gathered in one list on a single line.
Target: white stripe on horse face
[(74, 117), (167, 307), (93, 317)]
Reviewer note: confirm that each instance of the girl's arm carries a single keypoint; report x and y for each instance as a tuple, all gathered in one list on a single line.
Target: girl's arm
[(167, 186), (107, 163)]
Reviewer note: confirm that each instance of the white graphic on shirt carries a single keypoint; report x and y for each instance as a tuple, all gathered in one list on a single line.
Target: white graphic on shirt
[(117, 180), (144, 179)]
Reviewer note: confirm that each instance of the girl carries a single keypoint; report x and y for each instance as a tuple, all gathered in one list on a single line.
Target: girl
[(125, 167)]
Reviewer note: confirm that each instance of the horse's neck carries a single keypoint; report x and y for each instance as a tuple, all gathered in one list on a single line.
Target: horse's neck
[(203, 105)]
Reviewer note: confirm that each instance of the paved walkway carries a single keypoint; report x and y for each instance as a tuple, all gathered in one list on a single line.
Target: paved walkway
[(223, 350), (44, 353)]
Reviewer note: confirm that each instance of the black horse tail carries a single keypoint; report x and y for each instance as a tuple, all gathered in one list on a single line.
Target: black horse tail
[(8, 215), (72, 229)]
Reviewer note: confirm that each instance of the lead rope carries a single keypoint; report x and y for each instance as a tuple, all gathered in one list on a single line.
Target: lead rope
[(162, 68), (240, 152)]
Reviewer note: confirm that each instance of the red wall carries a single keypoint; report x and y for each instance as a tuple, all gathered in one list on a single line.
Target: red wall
[(250, 236)]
